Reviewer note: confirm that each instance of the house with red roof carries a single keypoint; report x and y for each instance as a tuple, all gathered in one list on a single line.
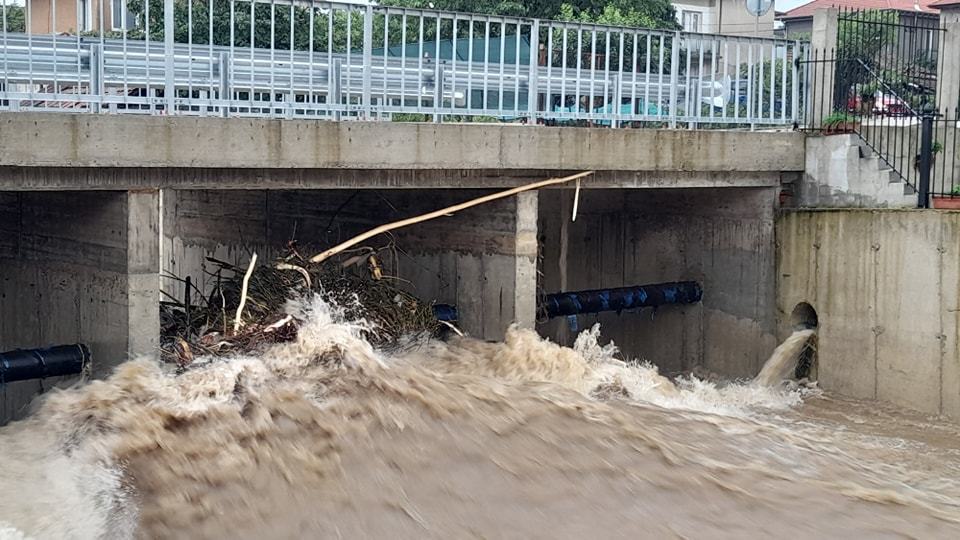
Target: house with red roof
[(798, 22)]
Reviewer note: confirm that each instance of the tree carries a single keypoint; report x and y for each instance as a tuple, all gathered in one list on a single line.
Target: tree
[(637, 13), (13, 17), (643, 14), (271, 22)]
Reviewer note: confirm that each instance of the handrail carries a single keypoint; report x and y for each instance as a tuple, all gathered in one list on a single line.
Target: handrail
[(357, 60)]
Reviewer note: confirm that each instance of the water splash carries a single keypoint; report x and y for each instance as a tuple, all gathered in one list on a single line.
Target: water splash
[(327, 436), (784, 359)]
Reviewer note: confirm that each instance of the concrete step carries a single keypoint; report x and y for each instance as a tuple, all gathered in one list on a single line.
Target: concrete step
[(876, 163)]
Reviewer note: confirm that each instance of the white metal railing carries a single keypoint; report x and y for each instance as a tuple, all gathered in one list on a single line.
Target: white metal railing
[(333, 60)]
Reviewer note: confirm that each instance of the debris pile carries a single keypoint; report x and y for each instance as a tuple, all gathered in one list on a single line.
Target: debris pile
[(247, 310)]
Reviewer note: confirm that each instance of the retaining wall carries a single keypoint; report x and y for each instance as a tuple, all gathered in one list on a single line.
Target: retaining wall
[(885, 287)]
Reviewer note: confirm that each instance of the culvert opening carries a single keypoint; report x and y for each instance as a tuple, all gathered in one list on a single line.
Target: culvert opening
[(804, 317)]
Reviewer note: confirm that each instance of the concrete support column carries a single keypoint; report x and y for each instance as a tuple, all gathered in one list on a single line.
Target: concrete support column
[(143, 272), (823, 42), (78, 267), (525, 288), (948, 97)]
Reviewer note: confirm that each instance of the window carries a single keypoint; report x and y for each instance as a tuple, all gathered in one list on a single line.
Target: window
[(691, 21), (85, 15), (120, 16)]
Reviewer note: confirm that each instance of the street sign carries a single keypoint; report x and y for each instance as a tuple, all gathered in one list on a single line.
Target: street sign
[(759, 8)]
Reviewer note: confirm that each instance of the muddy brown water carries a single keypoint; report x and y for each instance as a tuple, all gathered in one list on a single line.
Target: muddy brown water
[(328, 438)]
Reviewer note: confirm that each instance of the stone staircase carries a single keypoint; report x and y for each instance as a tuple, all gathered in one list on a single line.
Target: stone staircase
[(843, 172)]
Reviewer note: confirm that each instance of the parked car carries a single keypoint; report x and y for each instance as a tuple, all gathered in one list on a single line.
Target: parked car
[(891, 105)]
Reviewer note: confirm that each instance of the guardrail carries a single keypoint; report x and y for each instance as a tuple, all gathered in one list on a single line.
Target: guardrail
[(341, 60)]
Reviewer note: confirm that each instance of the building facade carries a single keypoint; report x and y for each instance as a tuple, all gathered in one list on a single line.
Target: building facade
[(723, 17), (79, 16)]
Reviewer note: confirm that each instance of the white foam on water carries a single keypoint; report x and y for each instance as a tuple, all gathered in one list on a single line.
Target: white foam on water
[(236, 444)]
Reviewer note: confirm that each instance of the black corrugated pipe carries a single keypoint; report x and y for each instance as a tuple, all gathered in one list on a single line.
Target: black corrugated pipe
[(22, 365), (445, 312), (596, 301)]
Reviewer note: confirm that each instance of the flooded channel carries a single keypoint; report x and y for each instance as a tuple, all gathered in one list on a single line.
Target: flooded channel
[(327, 437)]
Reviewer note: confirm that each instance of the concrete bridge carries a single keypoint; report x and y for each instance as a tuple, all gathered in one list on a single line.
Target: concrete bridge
[(96, 211)]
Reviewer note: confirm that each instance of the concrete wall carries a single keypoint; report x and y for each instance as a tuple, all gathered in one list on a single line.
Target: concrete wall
[(721, 238), (77, 267), (885, 287), (54, 140), (837, 176), (482, 260)]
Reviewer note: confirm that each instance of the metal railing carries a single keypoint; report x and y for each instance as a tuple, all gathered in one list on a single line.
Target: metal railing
[(879, 83), (344, 60)]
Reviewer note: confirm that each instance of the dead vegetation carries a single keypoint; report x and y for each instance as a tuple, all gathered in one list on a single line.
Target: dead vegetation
[(355, 281), (248, 309)]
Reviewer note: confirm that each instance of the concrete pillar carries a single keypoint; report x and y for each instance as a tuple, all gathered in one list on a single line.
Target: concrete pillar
[(525, 284), (823, 42), (81, 267), (948, 98), (143, 273), (78, 267)]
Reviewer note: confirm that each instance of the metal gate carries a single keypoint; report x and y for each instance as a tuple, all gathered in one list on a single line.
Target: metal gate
[(879, 83)]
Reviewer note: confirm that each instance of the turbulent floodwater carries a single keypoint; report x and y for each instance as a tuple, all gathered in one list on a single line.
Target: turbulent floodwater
[(328, 438)]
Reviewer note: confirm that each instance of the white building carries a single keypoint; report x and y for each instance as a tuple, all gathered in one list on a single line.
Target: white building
[(723, 17)]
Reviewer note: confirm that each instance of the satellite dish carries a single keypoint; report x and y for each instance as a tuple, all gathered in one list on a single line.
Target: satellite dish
[(759, 8)]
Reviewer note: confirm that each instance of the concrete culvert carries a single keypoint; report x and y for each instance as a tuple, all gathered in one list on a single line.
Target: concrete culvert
[(804, 317)]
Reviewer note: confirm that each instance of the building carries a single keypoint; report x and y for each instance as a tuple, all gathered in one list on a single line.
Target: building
[(798, 22), (723, 17), (78, 16)]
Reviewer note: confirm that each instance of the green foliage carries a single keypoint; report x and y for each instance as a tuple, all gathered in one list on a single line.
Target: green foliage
[(14, 17), (271, 26), (514, 8), (865, 34), (838, 119), (868, 90), (643, 14), (638, 13)]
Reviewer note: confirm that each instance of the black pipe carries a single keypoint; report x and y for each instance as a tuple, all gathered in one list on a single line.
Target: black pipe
[(596, 301), (22, 365), (445, 312)]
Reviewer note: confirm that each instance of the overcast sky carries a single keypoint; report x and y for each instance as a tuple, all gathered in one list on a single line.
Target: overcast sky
[(787, 5)]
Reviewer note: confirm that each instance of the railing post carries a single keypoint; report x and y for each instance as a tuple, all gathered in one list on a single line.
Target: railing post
[(437, 90), (674, 78), (926, 157), (169, 87), (826, 24), (617, 99), (226, 95), (333, 97), (96, 75), (368, 59), (533, 94), (948, 70), (798, 57)]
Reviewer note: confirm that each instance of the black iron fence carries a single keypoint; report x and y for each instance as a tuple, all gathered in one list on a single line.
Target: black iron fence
[(937, 159), (880, 83)]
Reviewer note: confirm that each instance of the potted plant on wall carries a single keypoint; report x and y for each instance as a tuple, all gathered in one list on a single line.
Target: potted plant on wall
[(934, 150), (950, 201), (839, 123)]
